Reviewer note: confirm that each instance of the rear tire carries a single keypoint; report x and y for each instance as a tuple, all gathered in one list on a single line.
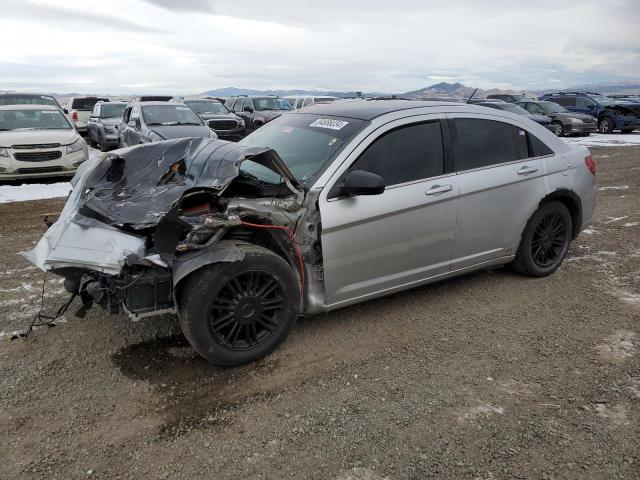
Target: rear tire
[(545, 241), (234, 313)]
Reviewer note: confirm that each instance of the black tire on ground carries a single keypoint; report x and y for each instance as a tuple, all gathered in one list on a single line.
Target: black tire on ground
[(558, 128), (234, 313), (606, 125), (102, 145), (545, 241)]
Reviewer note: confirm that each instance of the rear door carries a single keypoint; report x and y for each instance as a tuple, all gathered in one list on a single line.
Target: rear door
[(500, 187), (378, 243)]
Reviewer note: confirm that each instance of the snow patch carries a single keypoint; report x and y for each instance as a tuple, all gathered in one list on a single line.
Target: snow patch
[(605, 140), (482, 410), (631, 224), (618, 346), (622, 187)]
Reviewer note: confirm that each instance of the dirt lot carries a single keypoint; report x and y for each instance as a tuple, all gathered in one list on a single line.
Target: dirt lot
[(492, 376)]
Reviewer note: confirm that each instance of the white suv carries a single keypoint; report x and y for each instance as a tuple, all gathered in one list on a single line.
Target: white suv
[(38, 141)]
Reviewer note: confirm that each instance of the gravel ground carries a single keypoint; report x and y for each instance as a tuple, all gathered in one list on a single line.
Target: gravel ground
[(491, 376)]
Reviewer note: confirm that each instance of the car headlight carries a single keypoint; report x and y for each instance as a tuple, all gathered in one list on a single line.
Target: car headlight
[(3, 152), (241, 122), (213, 134), (108, 129), (76, 146), (575, 120), (154, 137)]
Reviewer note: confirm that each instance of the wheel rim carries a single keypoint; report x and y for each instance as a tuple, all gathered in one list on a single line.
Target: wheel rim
[(604, 126), (247, 310), (558, 129), (549, 240)]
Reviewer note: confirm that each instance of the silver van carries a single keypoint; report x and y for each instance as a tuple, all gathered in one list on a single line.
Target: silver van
[(315, 211)]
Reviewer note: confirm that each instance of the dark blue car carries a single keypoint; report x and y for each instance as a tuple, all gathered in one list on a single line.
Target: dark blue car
[(611, 114)]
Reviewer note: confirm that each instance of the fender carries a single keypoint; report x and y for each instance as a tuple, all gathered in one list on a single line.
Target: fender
[(189, 262)]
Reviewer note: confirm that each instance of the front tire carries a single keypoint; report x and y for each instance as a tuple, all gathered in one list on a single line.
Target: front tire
[(545, 241), (233, 313), (606, 125), (558, 129)]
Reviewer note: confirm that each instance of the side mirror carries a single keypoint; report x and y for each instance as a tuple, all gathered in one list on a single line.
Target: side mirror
[(360, 182), (247, 109)]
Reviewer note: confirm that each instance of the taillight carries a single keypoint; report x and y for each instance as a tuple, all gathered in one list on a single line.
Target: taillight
[(591, 164), (74, 116)]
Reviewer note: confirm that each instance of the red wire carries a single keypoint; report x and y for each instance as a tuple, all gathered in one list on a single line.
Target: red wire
[(296, 247)]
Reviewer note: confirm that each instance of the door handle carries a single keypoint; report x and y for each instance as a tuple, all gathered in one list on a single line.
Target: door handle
[(526, 170), (436, 189)]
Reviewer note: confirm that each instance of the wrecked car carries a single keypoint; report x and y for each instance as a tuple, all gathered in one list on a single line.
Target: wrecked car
[(313, 212)]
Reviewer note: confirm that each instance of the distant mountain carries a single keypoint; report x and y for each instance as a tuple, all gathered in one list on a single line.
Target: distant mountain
[(233, 91)]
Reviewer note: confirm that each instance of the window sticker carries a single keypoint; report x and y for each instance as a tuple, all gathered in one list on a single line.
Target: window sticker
[(329, 123)]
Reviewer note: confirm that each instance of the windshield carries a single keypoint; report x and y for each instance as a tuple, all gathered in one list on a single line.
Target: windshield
[(108, 110), (520, 98), (86, 103), (552, 107), (170, 115), (602, 100), (206, 106), (510, 107), (271, 103), (27, 100), (33, 120), (304, 142)]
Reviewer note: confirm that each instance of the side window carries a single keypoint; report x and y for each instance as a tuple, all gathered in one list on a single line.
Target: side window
[(135, 112), (405, 154), (582, 102), (565, 101), (530, 145), (307, 101), (126, 115), (481, 143), (533, 108)]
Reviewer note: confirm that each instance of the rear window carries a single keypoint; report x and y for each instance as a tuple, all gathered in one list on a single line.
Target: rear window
[(112, 111), (86, 103), (27, 100), (481, 143)]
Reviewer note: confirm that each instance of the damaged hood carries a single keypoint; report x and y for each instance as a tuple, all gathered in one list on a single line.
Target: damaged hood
[(138, 186), (180, 131)]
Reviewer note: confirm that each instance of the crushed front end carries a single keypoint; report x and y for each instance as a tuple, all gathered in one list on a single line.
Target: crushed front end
[(141, 219)]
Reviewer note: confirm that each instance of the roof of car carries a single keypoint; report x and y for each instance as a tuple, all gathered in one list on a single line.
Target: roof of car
[(157, 102), (28, 107), (368, 110)]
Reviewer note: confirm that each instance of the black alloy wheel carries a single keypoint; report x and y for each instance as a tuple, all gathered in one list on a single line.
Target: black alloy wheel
[(549, 240), (247, 310), (606, 125), (545, 240)]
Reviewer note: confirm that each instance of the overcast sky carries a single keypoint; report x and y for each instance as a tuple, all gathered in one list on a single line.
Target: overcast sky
[(188, 46)]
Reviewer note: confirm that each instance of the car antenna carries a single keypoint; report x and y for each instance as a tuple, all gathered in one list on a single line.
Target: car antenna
[(474, 92)]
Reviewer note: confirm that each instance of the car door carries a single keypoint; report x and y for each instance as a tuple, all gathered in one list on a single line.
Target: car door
[(500, 187), (133, 126), (92, 125), (377, 243)]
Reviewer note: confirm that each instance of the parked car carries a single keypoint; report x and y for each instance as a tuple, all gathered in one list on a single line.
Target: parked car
[(508, 97), (300, 101), (103, 124), (513, 108), (80, 108), (146, 122), (14, 98), (349, 201), (38, 141), (610, 114), (564, 122), (626, 98), (256, 111), (227, 125)]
